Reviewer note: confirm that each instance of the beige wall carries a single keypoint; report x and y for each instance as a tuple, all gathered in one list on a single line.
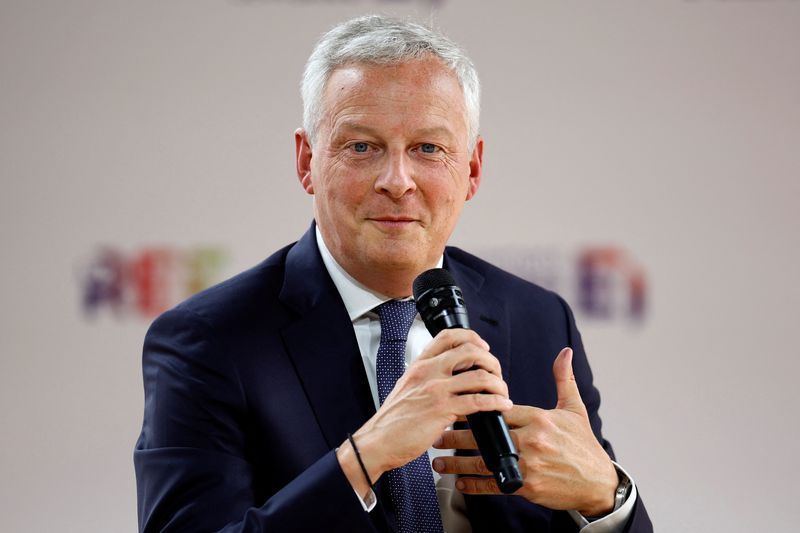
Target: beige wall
[(669, 128)]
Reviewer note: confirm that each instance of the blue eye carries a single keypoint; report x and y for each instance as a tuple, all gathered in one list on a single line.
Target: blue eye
[(428, 148), (360, 147)]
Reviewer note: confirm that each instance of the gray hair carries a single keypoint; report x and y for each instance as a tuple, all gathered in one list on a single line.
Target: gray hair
[(385, 41)]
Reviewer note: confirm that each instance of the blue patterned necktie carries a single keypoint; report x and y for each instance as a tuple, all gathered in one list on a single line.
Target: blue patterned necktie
[(411, 485)]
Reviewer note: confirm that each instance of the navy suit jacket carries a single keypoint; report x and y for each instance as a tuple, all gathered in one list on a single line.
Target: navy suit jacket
[(251, 384)]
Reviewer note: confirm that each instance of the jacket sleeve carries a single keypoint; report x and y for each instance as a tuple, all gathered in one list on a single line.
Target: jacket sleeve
[(192, 471)]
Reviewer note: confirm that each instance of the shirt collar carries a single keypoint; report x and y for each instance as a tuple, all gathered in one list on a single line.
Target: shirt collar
[(357, 298)]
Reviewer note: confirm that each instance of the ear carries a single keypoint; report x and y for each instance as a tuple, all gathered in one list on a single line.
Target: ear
[(475, 168), (302, 149)]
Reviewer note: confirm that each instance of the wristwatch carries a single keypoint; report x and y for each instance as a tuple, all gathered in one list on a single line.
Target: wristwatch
[(623, 489)]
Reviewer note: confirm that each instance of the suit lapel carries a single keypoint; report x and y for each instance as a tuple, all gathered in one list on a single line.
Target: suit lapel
[(325, 353), (488, 315), (323, 346)]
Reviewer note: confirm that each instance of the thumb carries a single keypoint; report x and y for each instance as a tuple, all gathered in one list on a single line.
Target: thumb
[(567, 388)]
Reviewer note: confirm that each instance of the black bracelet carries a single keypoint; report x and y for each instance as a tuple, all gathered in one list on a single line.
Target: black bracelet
[(360, 462)]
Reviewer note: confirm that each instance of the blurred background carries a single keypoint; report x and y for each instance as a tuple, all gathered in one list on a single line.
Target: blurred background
[(642, 158)]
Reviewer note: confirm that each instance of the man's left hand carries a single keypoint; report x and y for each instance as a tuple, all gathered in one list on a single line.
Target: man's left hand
[(563, 465)]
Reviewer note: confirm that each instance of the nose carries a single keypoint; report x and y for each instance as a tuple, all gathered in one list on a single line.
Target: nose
[(396, 180)]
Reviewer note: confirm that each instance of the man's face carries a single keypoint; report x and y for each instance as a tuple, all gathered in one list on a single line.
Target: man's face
[(390, 168)]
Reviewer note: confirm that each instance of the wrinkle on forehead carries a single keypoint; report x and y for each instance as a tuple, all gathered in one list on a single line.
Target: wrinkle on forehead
[(415, 92)]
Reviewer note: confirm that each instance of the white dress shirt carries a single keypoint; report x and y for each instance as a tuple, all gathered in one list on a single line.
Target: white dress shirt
[(360, 303)]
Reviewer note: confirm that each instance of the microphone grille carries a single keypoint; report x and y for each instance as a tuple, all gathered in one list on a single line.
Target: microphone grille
[(435, 277)]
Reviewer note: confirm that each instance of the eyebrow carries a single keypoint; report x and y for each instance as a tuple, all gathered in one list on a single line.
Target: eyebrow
[(435, 130), (348, 125), (363, 128)]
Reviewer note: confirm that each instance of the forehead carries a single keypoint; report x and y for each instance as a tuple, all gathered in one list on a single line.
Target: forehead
[(422, 91)]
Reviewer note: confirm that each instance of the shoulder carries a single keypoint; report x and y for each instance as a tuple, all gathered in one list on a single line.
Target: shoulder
[(237, 302)]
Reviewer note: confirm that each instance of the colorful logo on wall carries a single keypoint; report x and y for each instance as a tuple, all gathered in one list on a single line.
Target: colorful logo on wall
[(610, 284), (148, 281), (600, 282)]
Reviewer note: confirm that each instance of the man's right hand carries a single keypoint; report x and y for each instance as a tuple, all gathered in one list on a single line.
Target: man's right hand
[(454, 376)]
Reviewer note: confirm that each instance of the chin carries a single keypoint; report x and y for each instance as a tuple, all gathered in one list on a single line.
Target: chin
[(402, 258), (392, 261), (407, 253)]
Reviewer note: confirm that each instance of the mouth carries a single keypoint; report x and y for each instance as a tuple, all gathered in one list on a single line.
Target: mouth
[(392, 221)]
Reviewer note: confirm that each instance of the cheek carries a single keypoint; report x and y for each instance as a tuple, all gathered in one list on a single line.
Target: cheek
[(335, 188), (444, 204), (342, 201), (458, 171), (451, 186)]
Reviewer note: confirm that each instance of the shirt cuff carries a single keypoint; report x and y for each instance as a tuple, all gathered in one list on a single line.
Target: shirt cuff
[(612, 522), (369, 501)]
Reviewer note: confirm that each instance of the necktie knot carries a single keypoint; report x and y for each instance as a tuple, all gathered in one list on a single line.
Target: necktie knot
[(396, 318)]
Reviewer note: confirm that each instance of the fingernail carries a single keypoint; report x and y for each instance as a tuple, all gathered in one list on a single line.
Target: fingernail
[(437, 464), (460, 485), (508, 402)]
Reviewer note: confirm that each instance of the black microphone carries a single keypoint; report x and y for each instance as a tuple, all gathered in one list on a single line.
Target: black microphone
[(441, 306)]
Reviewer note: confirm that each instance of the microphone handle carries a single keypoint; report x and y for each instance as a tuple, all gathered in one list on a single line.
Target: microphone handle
[(494, 442), (442, 307)]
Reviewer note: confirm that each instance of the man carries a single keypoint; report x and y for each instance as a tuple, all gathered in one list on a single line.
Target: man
[(267, 401)]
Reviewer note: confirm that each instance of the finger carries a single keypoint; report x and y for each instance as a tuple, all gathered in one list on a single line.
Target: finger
[(456, 439), (466, 404), (522, 415), (461, 465), (478, 380), (463, 439), (451, 338), (467, 356), (569, 397), (477, 485)]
